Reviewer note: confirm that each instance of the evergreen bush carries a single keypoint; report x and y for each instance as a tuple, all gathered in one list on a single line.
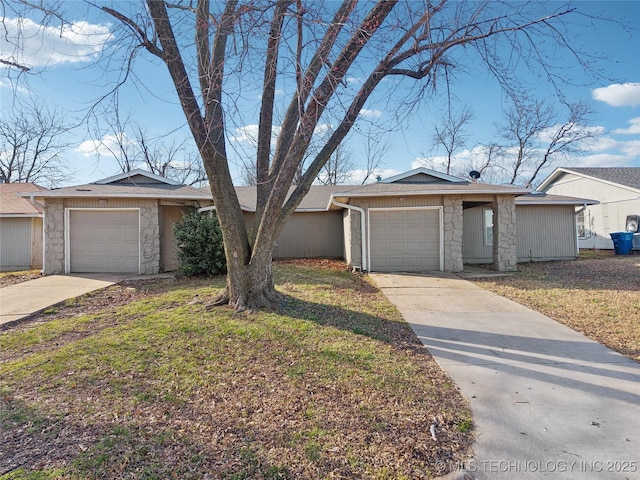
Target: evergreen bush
[(200, 246)]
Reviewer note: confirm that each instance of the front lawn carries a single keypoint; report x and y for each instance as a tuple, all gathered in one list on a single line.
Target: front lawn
[(597, 295), (142, 380)]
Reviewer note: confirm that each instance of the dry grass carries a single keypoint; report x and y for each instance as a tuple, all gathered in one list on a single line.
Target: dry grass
[(11, 278), (141, 380), (597, 295)]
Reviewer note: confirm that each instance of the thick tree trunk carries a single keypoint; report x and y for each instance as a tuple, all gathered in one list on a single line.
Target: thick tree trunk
[(250, 285)]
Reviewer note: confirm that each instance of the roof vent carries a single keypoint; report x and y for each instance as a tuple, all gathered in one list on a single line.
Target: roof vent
[(474, 174), (378, 178)]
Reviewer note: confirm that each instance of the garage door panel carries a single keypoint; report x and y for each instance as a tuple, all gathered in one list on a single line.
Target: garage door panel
[(405, 240), (104, 241)]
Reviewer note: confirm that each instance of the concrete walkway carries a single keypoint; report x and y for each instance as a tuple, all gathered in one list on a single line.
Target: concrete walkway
[(547, 402), (26, 298)]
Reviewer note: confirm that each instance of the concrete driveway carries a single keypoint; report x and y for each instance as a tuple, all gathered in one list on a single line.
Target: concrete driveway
[(547, 402), (26, 298)]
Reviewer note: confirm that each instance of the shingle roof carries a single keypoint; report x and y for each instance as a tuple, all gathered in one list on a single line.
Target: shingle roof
[(12, 204), (627, 176), (316, 200), (435, 188), (117, 190)]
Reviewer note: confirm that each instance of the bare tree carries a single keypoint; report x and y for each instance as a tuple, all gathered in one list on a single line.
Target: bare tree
[(132, 146), (337, 170), (486, 160), (32, 140), (523, 123), (310, 47), (536, 135), (565, 139), (450, 134), (376, 146)]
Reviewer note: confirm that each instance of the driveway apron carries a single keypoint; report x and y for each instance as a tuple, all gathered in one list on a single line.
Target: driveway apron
[(24, 299), (547, 402)]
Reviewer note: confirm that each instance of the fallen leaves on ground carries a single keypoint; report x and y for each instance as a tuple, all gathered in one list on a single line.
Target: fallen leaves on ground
[(598, 296), (133, 381)]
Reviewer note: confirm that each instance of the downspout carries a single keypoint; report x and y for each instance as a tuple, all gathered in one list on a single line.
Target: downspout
[(363, 256), (44, 229)]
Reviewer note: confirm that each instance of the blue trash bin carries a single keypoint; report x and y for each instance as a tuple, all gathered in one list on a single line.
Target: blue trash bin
[(622, 242)]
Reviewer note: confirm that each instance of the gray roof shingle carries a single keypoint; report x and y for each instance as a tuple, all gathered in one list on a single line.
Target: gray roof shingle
[(12, 204), (627, 176)]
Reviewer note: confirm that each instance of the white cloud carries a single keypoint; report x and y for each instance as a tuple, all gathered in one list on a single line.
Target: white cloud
[(106, 146), (249, 134), (546, 135), (630, 148), (618, 95), (357, 176), (246, 134), (13, 86), (28, 43), (366, 113), (602, 160), (633, 129)]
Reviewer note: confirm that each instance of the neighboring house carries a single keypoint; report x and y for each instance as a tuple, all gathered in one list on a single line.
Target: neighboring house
[(20, 228), (121, 224), (418, 221), (616, 189)]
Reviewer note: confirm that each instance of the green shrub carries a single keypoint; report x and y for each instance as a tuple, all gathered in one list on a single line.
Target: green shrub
[(200, 246)]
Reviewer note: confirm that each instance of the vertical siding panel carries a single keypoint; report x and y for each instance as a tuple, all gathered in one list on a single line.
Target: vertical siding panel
[(546, 232), (616, 202), (473, 248), (36, 243), (15, 244), (169, 215), (308, 235)]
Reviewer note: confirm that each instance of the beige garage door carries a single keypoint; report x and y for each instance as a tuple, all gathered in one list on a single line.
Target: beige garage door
[(104, 241), (405, 240)]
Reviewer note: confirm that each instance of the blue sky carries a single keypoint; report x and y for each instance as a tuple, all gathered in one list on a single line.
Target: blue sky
[(72, 75)]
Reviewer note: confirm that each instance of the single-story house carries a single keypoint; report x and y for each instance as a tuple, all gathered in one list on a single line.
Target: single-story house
[(617, 190), (121, 224), (20, 228), (420, 220)]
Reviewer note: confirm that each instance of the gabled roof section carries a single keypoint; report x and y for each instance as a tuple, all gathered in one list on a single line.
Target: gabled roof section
[(136, 177), (127, 190), (422, 175), (12, 205), (627, 177), (380, 189)]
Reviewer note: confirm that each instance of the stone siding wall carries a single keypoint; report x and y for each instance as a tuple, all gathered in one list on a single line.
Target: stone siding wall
[(54, 234), (453, 231), (53, 263), (505, 254), (149, 237)]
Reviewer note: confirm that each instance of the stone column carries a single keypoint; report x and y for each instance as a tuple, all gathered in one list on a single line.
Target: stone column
[(149, 237), (53, 262), (504, 234), (452, 220)]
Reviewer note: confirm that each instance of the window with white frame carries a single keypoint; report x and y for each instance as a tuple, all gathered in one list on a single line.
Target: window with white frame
[(488, 226), (581, 224)]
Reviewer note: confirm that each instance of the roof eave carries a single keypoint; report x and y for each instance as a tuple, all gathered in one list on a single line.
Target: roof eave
[(21, 215), (516, 192), (558, 202), (556, 173), (119, 195)]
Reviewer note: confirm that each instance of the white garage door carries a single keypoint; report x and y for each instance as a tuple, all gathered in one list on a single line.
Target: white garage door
[(104, 241), (405, 240)]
